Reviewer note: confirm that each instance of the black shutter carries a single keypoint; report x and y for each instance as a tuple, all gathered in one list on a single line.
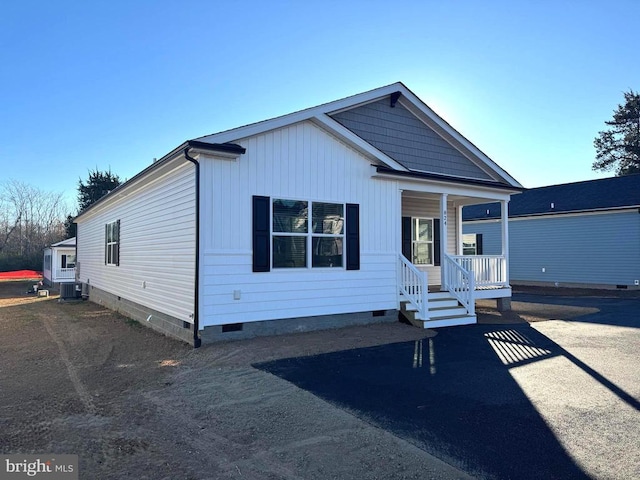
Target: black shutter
[(478, 244), (406, 238), (352, 236), (117, 249), (436, 242), (106, 240), (261, 234)]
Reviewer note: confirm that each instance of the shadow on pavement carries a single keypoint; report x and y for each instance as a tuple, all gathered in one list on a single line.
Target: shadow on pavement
[(452, 395)]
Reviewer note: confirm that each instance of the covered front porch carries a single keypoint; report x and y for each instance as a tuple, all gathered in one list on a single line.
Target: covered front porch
[(438, 284)]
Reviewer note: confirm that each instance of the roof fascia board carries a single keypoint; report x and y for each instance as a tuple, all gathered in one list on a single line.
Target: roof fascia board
[(353, 140), (236, 134), (442, 186), (427, 177), (153, 172), (158, 166), (565, 213), (454, 134)]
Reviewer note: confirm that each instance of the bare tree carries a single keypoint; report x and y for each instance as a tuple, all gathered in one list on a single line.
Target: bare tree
[(30, 219)]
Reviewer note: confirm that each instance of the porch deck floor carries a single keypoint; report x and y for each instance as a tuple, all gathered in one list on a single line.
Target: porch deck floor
[(437, 288)]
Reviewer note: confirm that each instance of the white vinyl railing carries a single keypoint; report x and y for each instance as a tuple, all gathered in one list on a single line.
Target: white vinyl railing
[(413, 285), (460, 282), (65, 273), (488, 270)]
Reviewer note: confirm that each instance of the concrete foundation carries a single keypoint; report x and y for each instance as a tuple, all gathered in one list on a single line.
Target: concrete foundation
[(503, 304), (161, 322), (588, 286), (176, 328), (239, 331)]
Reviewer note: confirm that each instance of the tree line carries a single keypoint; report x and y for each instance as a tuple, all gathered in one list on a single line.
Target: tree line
[(31, 219)]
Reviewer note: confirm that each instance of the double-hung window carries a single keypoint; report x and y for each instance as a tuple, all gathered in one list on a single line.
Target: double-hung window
[(68, 261), (422, 241), (112, 243), (469, 245), (307, 234)]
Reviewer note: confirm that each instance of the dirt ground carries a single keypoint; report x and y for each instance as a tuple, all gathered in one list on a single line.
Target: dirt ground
[(76, 378)]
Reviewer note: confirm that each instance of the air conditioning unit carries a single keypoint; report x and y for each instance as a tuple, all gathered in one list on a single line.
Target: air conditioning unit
[(67, 291)]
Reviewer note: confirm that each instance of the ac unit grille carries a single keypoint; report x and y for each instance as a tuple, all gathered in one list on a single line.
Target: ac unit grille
[(67, 290)]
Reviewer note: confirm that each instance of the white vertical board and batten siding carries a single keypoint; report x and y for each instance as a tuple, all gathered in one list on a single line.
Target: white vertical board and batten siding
[(300, 162), (414, 206), (157, 243)]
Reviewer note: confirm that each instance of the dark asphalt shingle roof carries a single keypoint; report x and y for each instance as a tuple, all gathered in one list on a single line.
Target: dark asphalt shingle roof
[(602, 194)]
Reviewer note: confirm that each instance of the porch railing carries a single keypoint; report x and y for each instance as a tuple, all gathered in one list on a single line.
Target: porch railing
[(413, 285), (488, 270), (65, 273), (460, 282)]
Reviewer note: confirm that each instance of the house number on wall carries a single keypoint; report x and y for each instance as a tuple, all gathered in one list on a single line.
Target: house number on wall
[(444, 217)]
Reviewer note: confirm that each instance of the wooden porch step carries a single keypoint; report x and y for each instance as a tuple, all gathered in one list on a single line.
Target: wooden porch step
[(444, 311), (447, 312), (450, 321)]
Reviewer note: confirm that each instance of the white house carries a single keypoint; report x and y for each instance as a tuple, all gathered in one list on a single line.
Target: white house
[(338, 214), (59, 263)]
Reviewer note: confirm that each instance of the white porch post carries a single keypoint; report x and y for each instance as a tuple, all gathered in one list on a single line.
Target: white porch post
[(443, 236), (459, 246), (505, 238)]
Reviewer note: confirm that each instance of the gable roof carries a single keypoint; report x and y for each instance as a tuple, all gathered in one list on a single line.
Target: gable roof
[(225, 142), (396, 131), (69, 242), (331, 116), (612, 193)]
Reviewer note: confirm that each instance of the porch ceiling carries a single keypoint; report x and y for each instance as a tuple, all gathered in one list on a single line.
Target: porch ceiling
[(457, 199)]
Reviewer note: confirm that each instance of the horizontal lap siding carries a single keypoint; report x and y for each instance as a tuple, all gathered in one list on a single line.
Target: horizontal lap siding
[(491, 235), (157, 245), (599, 249), (297, 162)]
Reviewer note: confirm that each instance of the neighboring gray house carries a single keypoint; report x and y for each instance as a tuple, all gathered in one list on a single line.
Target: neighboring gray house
[(575, 234)]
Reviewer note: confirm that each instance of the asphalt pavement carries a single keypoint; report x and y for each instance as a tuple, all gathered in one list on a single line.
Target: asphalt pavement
[(544, 400)]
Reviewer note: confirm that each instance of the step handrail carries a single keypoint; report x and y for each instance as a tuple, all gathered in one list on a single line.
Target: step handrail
[(460, 282), (412, 284)]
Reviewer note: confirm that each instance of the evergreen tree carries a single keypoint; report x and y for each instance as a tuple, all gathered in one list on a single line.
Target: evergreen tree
[(70, 227), (618, 147), (97, 186)]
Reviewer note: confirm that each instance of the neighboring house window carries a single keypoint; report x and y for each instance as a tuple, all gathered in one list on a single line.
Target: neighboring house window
[(68, 261), (307, 233), (472, 244), (422, 241), (112, 243), (47, 262)]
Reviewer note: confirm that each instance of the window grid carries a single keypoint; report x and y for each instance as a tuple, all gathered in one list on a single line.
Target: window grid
[(318, 243), (422, 241)]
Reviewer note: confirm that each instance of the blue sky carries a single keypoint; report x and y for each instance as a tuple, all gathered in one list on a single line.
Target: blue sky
[(113, 84)]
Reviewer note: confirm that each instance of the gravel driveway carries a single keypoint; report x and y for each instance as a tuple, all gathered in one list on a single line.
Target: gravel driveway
[(558, 397)]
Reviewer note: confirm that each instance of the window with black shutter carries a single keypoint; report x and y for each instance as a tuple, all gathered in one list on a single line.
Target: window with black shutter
[(290, 233)]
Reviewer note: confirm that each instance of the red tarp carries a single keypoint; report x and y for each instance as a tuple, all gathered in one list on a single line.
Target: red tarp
[(20, 275)]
